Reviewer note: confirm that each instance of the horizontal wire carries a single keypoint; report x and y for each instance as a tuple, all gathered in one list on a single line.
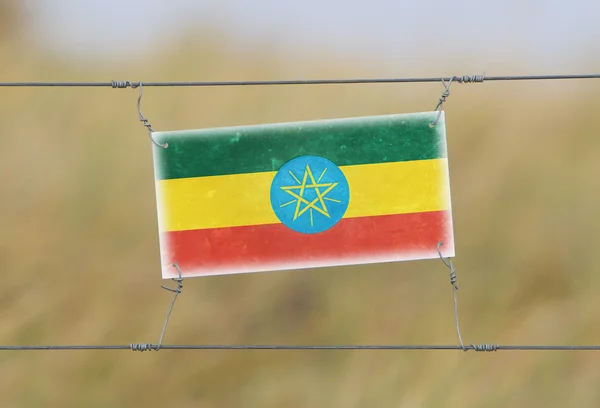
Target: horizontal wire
[(148, 347), (461, 79)]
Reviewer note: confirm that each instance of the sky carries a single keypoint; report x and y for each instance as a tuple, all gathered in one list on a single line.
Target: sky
[(550, 35)]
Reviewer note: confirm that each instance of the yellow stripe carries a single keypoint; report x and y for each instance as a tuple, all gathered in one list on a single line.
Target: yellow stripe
[(244, 199)]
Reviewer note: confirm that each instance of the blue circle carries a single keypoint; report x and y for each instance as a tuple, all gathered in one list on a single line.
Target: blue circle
[(320, 204)]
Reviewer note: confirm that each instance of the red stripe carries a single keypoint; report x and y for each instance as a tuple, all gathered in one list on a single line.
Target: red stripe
[(275, 247)]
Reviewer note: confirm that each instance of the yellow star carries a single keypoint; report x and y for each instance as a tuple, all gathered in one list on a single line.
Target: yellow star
[(299, 197)]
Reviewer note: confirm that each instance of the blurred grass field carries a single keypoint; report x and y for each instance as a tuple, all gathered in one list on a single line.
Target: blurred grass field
[(79, 247)]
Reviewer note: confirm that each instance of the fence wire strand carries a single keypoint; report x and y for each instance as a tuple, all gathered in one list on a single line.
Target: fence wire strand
[(460, 79), (152, 347)]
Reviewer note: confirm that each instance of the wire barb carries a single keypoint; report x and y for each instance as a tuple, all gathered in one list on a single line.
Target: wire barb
[(144, 120)]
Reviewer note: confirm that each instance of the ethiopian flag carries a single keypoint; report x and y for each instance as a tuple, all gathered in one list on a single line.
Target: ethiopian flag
[(303, 195)]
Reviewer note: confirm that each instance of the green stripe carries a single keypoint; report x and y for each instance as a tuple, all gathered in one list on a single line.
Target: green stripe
[(260, 148)]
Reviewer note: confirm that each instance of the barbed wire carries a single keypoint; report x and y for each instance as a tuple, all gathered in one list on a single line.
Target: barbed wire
[(459, 79)]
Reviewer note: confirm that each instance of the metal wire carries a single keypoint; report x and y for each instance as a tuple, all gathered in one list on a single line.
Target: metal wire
[(443, 98), (148, 347), (460, 79), (143, 119), (453, 280), (177, 291)]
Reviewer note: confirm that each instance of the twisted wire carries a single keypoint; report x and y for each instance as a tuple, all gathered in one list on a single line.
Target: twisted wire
[(453, 280), (443, 98), (466, 79), (177, 291), (124, 84), (142, 118)]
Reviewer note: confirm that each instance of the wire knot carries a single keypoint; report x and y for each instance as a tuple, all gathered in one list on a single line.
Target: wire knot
[(144, 120), (444, 96), (453, 277), (485, 347), (469, 79), (179, 281), (142, 347), (440, 105), (123, 84), (449, 265), (146, 124)]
